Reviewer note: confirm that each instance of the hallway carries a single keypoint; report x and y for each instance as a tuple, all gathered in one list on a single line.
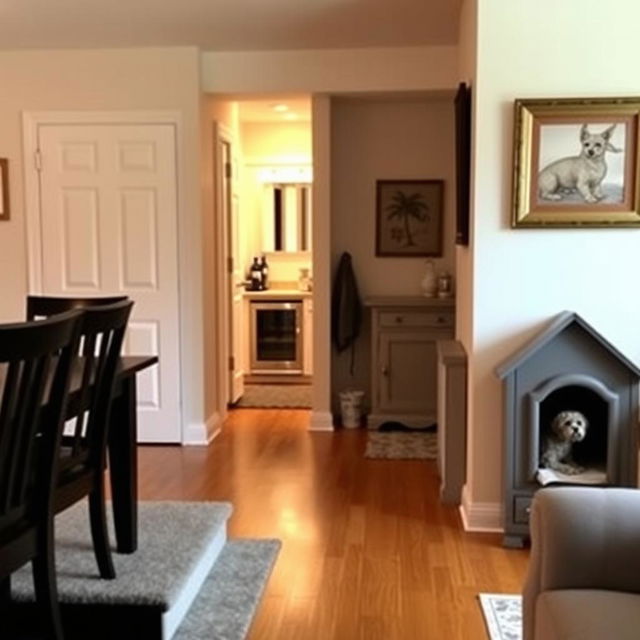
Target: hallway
[(368, 553)]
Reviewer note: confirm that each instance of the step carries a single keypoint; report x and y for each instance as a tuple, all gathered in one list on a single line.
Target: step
[(179, 543)]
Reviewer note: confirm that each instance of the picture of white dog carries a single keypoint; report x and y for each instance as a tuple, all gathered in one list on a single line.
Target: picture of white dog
[(567, 428), (595, 174)]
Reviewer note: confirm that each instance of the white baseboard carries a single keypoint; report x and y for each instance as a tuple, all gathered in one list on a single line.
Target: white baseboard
[(321, 421), (480, 517), (202, 434)]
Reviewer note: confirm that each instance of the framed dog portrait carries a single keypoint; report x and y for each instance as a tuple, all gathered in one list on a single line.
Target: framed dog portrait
[(409, 217), (576, 163), (4, 189)]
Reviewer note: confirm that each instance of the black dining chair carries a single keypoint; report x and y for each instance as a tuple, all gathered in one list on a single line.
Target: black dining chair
[(36, 360), (45, 306), (84, 442)]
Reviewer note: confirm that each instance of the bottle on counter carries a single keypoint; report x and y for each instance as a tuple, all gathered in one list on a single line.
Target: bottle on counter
[(445, 285), (304, 279), (264, 270), (255, 275)]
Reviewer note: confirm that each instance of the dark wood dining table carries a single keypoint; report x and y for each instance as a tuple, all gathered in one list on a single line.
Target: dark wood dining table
[(123, 460)]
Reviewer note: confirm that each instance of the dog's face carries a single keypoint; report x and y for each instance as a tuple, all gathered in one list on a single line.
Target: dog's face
[(594, 145), (570, 426)]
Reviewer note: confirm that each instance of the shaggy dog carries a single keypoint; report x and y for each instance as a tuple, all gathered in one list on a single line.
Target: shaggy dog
[(566, 428), (583, 173)]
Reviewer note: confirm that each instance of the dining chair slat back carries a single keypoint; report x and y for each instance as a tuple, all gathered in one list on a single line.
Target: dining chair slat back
[(36, 360), (45, 306), (84, 443), (102, 333)]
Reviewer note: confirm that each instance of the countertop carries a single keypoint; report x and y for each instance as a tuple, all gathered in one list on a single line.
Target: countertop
[(410, 301), (278, 294)]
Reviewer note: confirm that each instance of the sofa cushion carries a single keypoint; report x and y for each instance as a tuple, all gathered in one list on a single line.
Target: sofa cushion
[(587, 614)]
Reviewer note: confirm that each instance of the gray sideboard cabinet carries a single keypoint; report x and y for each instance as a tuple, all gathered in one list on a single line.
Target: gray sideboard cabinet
[(404, 334)]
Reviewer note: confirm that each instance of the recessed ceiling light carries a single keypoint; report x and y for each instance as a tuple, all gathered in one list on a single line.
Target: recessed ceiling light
[(280, 108), (291, 116)]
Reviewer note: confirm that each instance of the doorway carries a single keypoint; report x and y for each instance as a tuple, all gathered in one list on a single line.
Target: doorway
[(265, 204)]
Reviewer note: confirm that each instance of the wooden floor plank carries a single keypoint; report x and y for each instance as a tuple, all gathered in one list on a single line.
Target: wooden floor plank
[(368, 550)]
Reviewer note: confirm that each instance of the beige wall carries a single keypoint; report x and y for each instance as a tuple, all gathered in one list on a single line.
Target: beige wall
[(464, 255), (522, 278), (321, 134), (467, 60), (330, 71), (384, 139), (276, 142), (268, 145), (124, 79)]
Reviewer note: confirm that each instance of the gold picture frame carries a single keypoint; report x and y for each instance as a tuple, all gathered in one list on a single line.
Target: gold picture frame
[(4, 189), (576, 163)]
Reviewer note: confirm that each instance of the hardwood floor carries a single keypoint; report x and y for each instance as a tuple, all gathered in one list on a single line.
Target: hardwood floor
[(368, 552)]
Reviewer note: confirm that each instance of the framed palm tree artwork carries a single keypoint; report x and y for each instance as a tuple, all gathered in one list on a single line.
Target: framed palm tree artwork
[(409, 217)]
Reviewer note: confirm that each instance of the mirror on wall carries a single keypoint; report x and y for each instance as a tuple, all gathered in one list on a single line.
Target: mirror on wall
[(287, 217), (286, 211)]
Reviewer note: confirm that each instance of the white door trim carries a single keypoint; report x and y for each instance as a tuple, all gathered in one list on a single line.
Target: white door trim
[(221, 134), (31, 121)]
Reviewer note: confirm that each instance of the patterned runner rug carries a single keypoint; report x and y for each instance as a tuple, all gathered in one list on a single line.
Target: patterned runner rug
[(399, 445), (502, 615), (263, 396)]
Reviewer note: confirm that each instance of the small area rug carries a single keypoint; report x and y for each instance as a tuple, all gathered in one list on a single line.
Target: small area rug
[(272, 396), (502, 615), (400, 445)]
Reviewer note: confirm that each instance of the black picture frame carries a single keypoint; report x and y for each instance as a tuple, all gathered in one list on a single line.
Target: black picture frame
[(463, 162)]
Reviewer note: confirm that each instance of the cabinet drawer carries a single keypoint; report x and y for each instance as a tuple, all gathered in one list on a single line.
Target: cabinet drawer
[(522, 510), (415, 319)]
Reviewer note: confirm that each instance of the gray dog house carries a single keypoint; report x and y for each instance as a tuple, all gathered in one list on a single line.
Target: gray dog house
[(568, 366)]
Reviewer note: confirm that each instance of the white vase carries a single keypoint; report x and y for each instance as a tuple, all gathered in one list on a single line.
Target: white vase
[(429, 282)]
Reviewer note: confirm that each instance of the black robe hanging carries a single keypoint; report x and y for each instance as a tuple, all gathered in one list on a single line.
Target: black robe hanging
[(346, 308)]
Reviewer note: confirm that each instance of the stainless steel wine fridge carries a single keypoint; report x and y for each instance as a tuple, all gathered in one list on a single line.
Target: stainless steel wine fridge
[(276, 337)]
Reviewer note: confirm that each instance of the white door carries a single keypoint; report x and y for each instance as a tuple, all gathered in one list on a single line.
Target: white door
[(235, 276), (108, 207)]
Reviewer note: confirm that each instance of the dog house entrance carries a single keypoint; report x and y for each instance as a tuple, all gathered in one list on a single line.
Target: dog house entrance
[(592, 458), (568, 366)]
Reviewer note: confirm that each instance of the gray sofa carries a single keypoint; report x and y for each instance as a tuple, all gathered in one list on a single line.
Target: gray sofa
[(584, 573)]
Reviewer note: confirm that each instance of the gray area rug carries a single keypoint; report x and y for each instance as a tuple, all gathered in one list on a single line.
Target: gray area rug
[(262, 396), (502, 615), (398, 445), (224, 608)]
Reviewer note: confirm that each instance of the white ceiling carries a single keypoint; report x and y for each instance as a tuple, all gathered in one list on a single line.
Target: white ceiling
[(298, 109), (227, 25)]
